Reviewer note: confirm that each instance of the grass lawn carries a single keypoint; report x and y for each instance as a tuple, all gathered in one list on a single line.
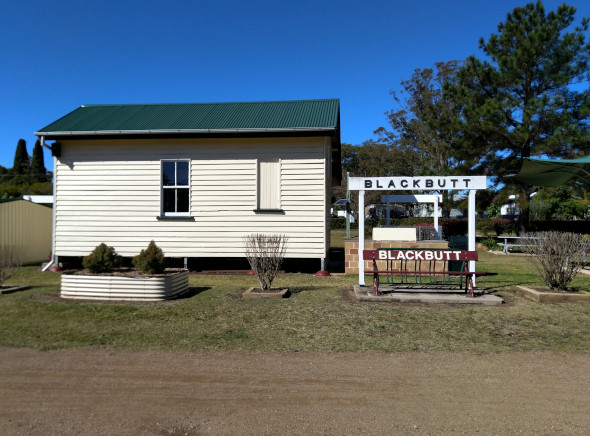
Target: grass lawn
[(319, 316), (338, 236)]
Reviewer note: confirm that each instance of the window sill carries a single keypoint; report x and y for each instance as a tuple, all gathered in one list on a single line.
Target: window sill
[(175, 218), (277, 211)]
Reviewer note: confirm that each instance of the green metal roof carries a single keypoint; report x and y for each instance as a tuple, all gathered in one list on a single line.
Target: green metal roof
[(186, 118)]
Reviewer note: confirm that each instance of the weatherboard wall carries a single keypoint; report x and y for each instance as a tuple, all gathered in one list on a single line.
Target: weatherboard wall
[(109, 191)]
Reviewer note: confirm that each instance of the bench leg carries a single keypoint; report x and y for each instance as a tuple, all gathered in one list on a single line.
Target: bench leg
[(471, 290), (376, 284)]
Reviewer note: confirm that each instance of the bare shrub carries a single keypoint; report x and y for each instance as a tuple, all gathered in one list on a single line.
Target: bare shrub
[(10, 262), (553, 255), (265, 253)]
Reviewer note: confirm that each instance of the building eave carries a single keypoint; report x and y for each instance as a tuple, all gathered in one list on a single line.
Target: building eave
[(185, 132)]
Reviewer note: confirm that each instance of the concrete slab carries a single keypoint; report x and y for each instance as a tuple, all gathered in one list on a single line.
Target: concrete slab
[(424, 295)]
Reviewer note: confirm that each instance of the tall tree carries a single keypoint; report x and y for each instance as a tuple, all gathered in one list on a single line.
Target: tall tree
[(21, 158), (421, 124), (38, 172), (526, 100), (371, 159)]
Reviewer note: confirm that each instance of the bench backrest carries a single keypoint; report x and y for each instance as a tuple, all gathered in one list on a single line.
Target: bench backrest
[(418, 254)]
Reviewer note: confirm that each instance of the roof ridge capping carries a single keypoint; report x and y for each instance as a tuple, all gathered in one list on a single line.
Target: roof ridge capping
[(320, 115), (212, 102)]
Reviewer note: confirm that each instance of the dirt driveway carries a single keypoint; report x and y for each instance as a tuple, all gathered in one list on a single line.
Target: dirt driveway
[(97, 392)]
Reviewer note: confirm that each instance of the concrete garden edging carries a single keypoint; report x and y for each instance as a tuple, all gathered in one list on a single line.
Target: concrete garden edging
[(552, 297), (279, 293), (112, 287)]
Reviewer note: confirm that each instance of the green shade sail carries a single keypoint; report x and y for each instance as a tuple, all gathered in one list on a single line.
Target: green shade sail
[(554, 172)]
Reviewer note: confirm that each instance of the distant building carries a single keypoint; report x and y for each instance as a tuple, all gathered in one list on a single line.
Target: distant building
[(26, 226), (510, 210)]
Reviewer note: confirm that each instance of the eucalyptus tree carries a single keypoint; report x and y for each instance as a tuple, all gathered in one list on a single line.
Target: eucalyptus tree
[(420, 125), (422, 128)]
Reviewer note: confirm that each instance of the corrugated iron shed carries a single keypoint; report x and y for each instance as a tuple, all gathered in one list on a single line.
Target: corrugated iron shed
[(186, 118)]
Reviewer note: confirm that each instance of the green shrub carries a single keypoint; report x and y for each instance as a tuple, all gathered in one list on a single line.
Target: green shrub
[(494, 226), (103, 259), (339, 223), (151, 260), (453, 227), (490, 244)]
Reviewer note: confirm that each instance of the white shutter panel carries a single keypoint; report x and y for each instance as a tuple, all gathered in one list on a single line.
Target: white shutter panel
[(269, 185)]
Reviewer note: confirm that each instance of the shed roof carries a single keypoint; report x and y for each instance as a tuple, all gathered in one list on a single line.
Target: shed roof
[(303, 116)]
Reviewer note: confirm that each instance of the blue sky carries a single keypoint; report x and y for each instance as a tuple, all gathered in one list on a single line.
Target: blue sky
[(57, 55)]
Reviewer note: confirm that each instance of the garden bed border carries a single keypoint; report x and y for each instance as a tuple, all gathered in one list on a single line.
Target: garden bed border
[(110, 287)]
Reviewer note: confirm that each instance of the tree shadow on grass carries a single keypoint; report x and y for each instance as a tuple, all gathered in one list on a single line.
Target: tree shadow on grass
[(299, 289), (292, 291)]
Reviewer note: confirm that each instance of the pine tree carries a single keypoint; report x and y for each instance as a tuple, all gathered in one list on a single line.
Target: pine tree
[(38, 171), (520, 102), (21, 159)]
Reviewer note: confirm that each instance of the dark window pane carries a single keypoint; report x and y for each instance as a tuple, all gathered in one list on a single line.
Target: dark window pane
[(182, 173), (168, 173), (182, 202), (169, 200)]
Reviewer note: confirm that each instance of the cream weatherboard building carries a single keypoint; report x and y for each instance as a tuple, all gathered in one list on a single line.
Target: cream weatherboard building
[(195, 178)]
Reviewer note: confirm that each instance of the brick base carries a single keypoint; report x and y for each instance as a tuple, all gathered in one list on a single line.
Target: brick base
[(351, 251)]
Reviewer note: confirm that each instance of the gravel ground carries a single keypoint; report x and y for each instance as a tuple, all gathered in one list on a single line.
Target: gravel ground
[(98, 392)]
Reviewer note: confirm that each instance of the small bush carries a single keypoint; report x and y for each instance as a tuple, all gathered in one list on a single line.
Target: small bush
[(503, 226), (151, 260), (490, 244), (103, 259), (453, 227), (265, 253), (494, 226), (553, 256), (339, 223), (10, 262)]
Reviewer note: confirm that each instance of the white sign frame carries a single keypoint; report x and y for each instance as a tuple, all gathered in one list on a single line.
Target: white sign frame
[(457, 183)]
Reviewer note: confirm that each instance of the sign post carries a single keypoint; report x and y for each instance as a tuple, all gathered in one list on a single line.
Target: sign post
[(347, 205)]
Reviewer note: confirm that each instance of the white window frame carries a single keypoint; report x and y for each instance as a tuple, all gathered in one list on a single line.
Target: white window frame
[(259, 182), (175, 187)]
